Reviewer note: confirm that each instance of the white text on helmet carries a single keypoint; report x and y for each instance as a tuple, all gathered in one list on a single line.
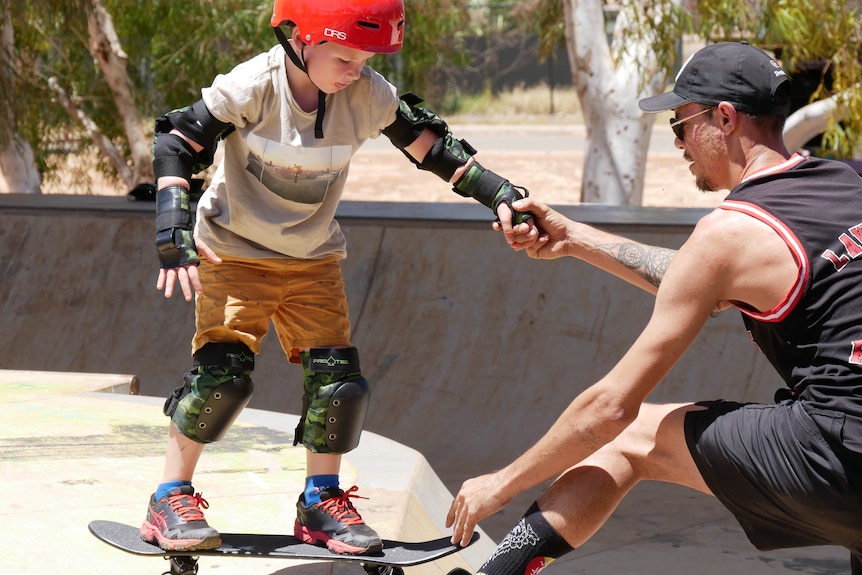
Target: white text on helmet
[(330, 33)]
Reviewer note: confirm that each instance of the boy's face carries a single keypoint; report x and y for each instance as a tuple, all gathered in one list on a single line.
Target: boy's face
[(333, 67)]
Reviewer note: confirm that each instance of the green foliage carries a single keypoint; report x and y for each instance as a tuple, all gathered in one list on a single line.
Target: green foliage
[(544, 19), (177, 48), (174, 49), (655, 23), (822, 36), (433, 40), (50, 38)]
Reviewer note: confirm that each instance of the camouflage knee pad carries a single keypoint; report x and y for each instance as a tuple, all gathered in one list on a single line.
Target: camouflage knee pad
[(335, 401), (209, 401)]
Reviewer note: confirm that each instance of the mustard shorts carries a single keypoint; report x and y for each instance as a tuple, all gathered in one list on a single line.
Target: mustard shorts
[(304, 299)]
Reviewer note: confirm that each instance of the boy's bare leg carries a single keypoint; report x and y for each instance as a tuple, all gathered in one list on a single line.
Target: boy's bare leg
[(322, 463), (182, 457)]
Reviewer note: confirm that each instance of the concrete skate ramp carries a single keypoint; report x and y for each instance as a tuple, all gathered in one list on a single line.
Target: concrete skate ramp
[(472, 349), (82, 449)]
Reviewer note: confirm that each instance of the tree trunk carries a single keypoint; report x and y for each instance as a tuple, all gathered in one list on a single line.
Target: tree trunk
[(615, 161), (618, 132), (106, 49), (18, 172), (100, 140), (811, 120)]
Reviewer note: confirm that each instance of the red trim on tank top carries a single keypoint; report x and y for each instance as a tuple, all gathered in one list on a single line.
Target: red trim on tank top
[(779, 312), (783, 166)]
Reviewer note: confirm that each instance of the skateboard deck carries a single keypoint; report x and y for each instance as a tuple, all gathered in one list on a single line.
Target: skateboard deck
[(395, 553)]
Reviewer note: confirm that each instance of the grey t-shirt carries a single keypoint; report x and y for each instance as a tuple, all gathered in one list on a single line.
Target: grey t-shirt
[(275, 192)]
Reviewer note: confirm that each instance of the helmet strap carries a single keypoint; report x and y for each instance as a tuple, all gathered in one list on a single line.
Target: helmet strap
[(288, 49), (300, 63), (321, 110)]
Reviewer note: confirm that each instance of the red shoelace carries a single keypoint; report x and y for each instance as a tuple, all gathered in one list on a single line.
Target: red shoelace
[(188, 507), (342, 509)]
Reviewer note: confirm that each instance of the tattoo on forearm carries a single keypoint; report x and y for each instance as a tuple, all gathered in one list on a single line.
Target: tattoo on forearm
[(649, 261)]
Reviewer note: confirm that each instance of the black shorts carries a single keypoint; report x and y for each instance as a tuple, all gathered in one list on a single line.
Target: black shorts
[(782, 471)]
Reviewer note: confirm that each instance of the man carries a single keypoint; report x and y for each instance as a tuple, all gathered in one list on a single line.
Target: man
[(784, 247)]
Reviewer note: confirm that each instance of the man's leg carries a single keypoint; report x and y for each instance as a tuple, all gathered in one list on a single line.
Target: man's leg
[(579, 502)]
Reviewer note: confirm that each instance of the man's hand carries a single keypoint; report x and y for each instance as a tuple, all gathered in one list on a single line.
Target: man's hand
[(477, 499), (518, 235), (551, 239), (186, 275)]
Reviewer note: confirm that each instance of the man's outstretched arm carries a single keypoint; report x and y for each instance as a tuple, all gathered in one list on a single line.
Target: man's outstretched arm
[(705, 272), (639, 264)]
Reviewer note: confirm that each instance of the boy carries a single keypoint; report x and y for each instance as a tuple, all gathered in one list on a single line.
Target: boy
[(290, 119)]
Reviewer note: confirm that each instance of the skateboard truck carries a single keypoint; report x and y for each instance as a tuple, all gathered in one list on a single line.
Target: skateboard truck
[(377, 569), (182, 565), (188, 565)]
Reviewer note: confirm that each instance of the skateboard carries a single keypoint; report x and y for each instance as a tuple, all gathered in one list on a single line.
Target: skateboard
[(395, 555)]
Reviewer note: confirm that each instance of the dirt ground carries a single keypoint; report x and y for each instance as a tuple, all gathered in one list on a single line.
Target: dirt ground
[(554, 177), (384, 175)]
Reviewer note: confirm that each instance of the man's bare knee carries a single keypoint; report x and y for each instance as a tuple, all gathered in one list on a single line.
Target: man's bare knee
[(656, 446)]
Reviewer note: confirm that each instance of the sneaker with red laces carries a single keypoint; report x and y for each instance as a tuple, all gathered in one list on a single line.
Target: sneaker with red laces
[(334, 522), (176, 523)]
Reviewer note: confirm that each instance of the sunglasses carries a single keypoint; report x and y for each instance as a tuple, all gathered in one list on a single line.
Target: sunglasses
[(677, 125)]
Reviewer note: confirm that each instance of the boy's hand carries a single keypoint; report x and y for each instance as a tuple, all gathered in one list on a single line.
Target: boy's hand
[(186, 275)]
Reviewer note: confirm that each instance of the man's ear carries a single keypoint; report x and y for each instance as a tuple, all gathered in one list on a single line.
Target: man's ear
[(728, 117)]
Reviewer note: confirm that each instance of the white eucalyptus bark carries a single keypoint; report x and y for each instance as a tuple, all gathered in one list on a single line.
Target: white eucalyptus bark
[(106, 49), (618, 133), (18, 172), (811, 120)]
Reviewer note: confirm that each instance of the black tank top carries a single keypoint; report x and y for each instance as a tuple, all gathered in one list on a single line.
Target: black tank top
[(814, 337)]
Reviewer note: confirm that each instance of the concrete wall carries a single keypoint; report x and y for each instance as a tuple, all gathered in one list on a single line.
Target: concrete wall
[(471, 349)]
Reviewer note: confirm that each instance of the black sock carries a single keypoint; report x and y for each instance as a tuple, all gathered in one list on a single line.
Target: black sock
[(528, 548)]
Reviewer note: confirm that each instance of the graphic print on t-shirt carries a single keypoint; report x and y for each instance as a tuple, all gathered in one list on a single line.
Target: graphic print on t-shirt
[(295, 173)]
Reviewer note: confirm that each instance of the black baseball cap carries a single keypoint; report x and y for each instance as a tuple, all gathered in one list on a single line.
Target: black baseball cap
[(734, 72)]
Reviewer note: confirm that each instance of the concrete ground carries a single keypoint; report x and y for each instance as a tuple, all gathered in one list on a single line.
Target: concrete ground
[(75, 447)]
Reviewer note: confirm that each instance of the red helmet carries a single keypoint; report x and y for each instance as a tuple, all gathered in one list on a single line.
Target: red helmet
[(370, 25)]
